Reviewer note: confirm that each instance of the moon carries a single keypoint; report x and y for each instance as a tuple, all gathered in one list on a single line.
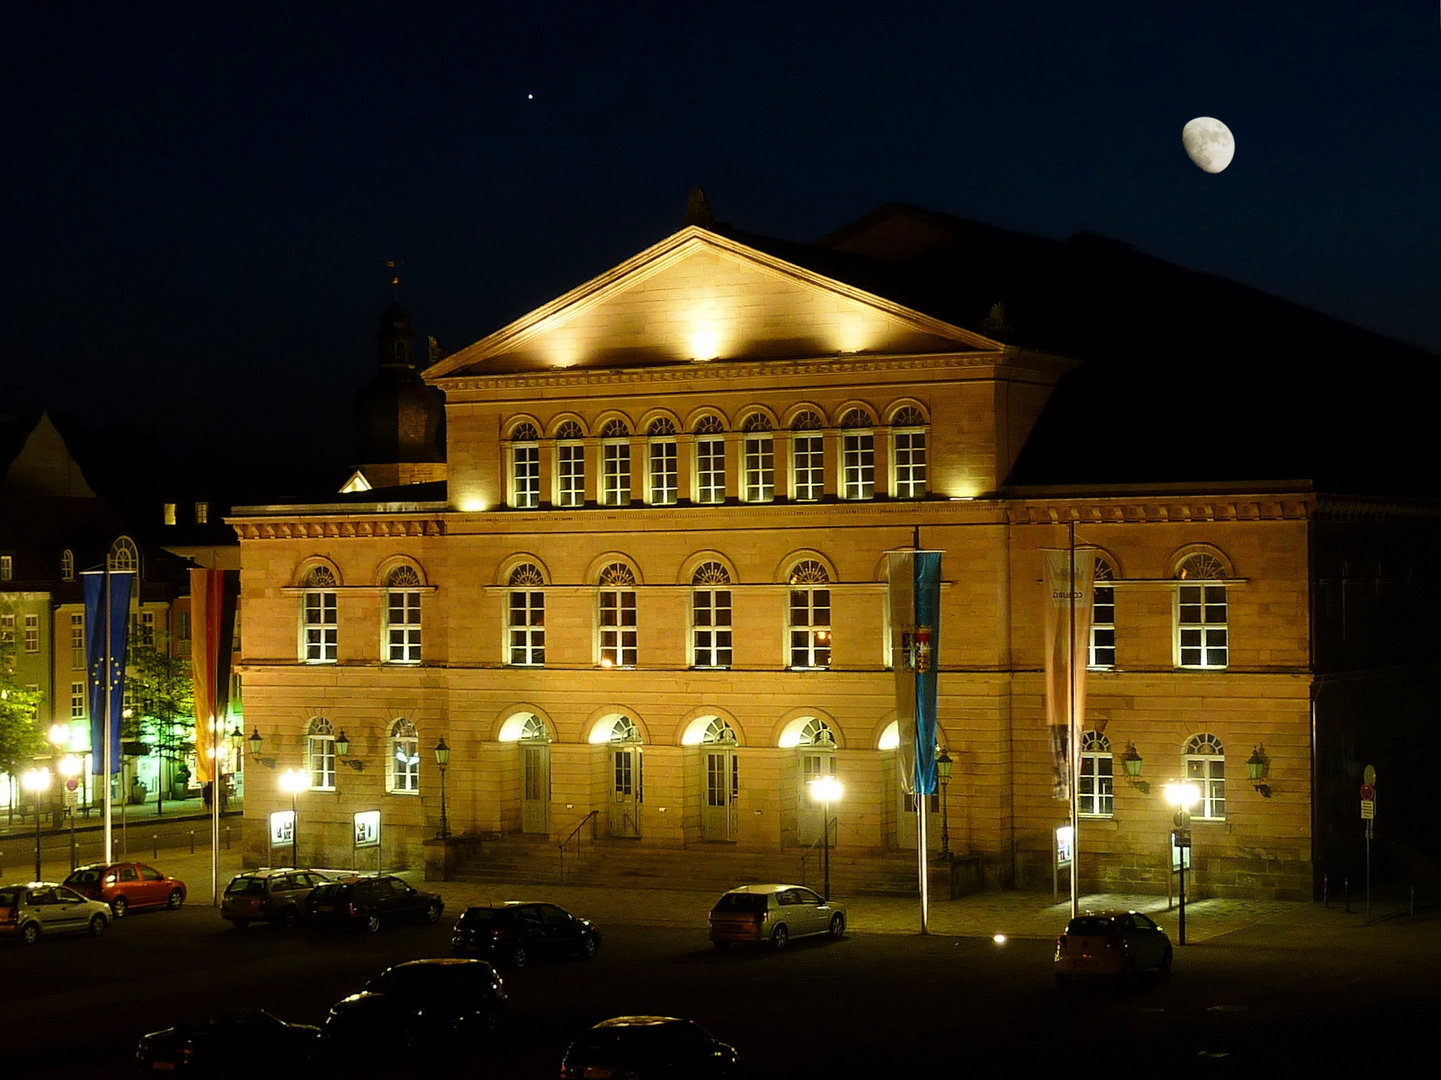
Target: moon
[(1208, 143)]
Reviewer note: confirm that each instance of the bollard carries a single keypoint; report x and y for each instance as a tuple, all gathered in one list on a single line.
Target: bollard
[(227, 838), (155, 845), (1347, 887), (1325, 890), (192, 841), (1413, 901)]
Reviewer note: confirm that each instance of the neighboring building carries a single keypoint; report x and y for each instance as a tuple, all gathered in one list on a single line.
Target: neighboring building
[(652, 585)]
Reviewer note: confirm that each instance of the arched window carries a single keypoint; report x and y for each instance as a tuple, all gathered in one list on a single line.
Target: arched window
[(525, 629), (534, 730), (808, 457), (320, 753), (1094, 798), (908, 453), (616, 617), (569, 465), (615, 463), (1103, 616), (661, 446), (524, 466), (624, 731), (711, 616), (319, 622), (719, 731), (123, 555), (858, 455), (810, 616), (67, 565), (403, 772), (402, 616), (1201, 633), (710, 460), (758, 450), (1205, 763)]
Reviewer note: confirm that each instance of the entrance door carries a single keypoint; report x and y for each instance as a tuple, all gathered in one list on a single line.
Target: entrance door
[(722, 785), (535, 790), (908, 828), (625, 791), (810, 814)]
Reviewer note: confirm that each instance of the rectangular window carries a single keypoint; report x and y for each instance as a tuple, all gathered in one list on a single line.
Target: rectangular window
[(809, 465), (1201, 626), (570, 474), (32, 634), (711, 612), (1209, 775), (7, 567), (202, 513), (403, 626), (810, 629), (1095, 798), (760, 468), (77, 701), (710, 470), (322, 632), (1103, 626), (142, 627), (322, 761), (617, 628), (77, 642), (663, 473), (527, 628), (7, 631), (859, 465), (525, 475), (910, 464), (615, 474), (405, 764)]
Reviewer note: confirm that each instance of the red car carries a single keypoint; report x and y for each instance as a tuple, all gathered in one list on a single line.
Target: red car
[(127, 885)]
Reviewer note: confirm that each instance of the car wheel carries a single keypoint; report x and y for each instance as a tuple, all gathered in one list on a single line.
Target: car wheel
[(587, 946), (289, 918), (97, 925), (176, 899), (519, 957), (838, 925), (1165, 968), (372, 923), (779, 936), (119, 906), (30, 934), (432, 912)]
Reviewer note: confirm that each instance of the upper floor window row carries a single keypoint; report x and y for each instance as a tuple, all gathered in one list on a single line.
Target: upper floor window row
[(1201, 615)]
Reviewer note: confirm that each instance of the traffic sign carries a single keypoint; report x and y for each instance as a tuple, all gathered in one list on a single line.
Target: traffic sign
[(1368, 792)]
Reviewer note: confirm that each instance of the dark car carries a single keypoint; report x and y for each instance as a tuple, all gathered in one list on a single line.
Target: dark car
[(272, 895), (364, 903), (416, 1003), (518, 932), (1111, 943), (126, 885), (647, 1048), (229, 1044)]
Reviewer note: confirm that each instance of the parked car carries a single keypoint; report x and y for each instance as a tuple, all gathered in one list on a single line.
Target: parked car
[(416, 1003), (272, 895), (32, 909), (363, 903), (774, 914), (517, 932), (1111, 943), (126, 885), (229, 1044), (646, 1048)]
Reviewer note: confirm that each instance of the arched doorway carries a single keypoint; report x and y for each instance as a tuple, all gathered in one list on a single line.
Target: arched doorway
[(816, 757), (722, 782), (627, 781), (906, 830), (530, 732)]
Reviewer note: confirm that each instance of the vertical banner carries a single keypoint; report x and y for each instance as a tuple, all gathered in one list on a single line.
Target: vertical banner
[(212, 622), (1068, 637), (107, 625), (915, 599)]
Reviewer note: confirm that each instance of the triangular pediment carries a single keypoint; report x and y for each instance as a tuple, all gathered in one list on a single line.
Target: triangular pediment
[(698, 296)]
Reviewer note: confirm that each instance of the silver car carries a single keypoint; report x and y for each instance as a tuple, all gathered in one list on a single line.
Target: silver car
[(774, 914), (31, 909)]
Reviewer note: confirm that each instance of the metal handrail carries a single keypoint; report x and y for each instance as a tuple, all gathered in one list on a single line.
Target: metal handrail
[(575, 834)]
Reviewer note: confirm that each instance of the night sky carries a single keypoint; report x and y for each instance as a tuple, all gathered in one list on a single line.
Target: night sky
[(200, 200)]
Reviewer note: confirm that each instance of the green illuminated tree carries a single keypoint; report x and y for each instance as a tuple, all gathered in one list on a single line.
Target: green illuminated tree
[(20, 739), (162, 690)]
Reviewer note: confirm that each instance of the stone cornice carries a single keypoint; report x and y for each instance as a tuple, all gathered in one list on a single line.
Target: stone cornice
[(1157, 509), (357, 525), (1363, 508)]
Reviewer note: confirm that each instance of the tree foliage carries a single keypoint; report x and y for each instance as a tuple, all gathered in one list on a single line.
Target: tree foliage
[(20, 738), (162, 690)]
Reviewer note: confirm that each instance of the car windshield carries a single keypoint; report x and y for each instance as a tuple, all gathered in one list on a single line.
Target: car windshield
[(479, 916), (329, 892), (245, 885), (737, 901), (9, 898), (87, 876), (1092, 926)]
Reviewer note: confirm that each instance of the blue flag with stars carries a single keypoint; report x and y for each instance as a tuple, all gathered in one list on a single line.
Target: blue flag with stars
[(107, 604)]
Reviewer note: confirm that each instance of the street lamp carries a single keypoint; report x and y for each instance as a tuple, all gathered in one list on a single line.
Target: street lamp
[(37, 782), (943, 774), (825, 790), (294, 781), (1183, 796), (442, 759), (70, 767)]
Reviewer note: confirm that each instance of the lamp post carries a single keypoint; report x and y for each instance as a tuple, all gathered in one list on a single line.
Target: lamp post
[(1183, 796), (294, 781), (442, 759), (37, 782), (70, 767), (943, 774), (825, 790)]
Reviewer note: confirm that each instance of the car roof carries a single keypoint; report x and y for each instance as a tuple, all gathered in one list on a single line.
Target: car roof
[(641, 1021), (442, 961), (765, 889)]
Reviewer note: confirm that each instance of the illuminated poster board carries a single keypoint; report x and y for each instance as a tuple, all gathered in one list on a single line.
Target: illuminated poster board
[(367, 828), (1065, 841), (282, 828)]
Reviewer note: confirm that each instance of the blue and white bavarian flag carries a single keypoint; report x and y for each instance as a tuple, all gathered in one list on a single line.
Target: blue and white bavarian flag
[(915, 597)]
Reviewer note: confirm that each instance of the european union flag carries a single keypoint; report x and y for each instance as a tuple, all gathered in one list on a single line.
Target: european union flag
[(107, 605)]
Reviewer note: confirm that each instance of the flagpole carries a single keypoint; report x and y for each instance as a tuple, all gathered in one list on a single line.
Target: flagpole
[(1073, 757), (215, 789), (922, 851), (106, 755)]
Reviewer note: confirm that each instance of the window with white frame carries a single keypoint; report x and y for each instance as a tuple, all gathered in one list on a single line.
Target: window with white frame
[(808, 457), (711, 616), (320, 626), (1206, 768), (1094, 796), (525, 627), (759, 458), (1201, 634), (858, 455), (402, 616), (908, 453), (7, 630), (1103, 616), (77, 701), (320, 753), (32, 633), (142, 627), (810, 616), (77, 640), (67, 565), (403, 772), (615, 463), (123, 555), (524, 467), (569, 465), (664, 474), (710, 460), (7, 567), (617, 616)]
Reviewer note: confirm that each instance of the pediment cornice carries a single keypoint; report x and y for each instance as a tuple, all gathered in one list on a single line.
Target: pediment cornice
[(337, 528), (1162, 509)]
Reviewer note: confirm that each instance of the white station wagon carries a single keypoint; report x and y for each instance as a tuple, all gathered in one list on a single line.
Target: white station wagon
[(774, 914)]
